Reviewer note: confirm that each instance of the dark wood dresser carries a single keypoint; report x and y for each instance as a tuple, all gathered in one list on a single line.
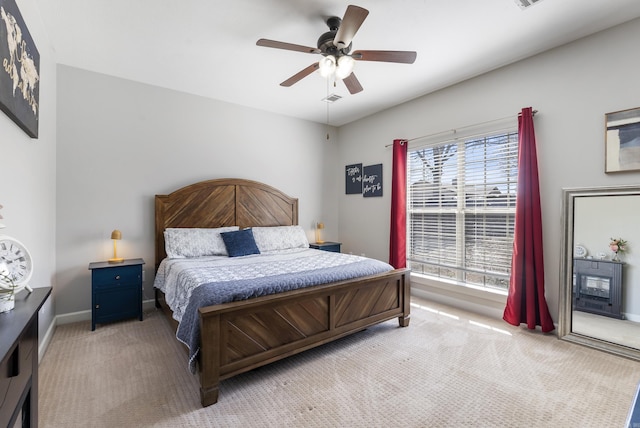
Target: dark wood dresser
[(19, 352)]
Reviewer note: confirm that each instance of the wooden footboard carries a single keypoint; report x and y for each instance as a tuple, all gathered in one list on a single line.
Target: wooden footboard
[(240, 336)]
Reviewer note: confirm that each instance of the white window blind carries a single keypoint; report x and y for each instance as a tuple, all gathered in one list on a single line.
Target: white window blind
[(461, 209)]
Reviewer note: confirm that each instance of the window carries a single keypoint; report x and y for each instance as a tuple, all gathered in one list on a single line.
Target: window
[(461, 209)]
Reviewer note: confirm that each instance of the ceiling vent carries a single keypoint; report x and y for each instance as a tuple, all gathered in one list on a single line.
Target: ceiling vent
[(524, 4), (331, 98)]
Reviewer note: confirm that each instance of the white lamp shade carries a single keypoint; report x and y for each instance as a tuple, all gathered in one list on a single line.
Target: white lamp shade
[(327, 66), (345, 66)]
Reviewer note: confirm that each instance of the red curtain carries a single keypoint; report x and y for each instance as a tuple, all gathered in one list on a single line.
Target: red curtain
[(398, 238), (526, 302)]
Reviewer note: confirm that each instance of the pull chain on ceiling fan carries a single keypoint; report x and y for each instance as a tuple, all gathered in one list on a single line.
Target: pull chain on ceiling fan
[(334, 46), (327, 102)]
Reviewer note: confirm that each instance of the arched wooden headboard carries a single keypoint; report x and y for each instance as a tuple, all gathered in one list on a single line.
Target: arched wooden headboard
[(222, 202)]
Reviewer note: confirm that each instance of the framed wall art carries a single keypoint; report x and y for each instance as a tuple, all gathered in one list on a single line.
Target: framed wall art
[(622, 141), (20, 72), (353, 179), (372, 181)]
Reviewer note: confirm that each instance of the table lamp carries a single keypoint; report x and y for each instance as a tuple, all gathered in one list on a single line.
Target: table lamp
[(116, 235), (319, 227)]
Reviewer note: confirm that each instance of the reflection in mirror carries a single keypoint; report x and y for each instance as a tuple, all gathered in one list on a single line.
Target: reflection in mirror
[(599, 306)]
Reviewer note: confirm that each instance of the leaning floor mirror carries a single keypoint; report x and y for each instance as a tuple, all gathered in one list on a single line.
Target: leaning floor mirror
[(599, 286)]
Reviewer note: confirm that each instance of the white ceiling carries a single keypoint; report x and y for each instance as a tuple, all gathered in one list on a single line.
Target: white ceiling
[(208, 47)]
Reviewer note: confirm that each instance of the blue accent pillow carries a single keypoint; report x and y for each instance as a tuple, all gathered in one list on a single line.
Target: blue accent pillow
[(240, 243)]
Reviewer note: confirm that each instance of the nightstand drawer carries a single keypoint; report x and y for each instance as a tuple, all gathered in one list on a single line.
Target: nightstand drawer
[(109, 277)]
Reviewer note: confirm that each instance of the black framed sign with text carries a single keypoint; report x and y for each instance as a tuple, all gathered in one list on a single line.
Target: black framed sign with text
[(372, 181), (353, 179)]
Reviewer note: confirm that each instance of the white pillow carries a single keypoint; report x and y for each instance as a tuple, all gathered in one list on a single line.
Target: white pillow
[(184, 242), (280, 238)]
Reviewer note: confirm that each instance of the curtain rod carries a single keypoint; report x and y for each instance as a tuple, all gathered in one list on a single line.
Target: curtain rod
[(455, 130)]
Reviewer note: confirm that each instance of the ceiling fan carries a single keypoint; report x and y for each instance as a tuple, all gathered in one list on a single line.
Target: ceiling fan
[(334, 46)]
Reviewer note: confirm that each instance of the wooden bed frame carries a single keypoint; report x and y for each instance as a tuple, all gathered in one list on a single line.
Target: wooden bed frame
[(240, 336)]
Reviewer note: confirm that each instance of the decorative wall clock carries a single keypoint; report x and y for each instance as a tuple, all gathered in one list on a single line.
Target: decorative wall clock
[(16, 264)]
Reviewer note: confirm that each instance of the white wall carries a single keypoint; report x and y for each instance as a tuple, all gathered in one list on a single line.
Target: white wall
[(121, 142), (28, 169), (572, 87)]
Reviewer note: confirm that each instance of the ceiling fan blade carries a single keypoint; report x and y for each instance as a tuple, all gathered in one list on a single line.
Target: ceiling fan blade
[(300, 75), (286, 46), (405, 57), (353, 19), (352, 84)]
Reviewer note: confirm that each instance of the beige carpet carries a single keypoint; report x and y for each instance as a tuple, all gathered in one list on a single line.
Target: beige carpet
[(449, 368)]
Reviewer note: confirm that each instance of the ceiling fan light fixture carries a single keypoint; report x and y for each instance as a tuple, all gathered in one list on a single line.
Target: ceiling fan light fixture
[(337, 62), (327, 66), (345, 66)]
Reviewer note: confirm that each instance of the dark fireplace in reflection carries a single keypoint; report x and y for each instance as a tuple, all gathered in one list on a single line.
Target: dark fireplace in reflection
[(597, 286)]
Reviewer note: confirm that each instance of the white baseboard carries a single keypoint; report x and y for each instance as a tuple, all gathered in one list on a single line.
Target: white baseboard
[(148, 304), (632, 317), (437, 296), (472, 299), (71, 318), (46, 340), (59, 320), (481, 302)]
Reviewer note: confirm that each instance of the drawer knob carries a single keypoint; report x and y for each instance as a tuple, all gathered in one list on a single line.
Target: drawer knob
[(117, 276), (97, 306)]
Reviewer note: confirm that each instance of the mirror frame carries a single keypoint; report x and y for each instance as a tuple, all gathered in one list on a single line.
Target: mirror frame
[(566, 269)]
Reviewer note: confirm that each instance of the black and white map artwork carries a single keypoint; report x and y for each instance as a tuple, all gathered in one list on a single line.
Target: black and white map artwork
[(20, 73)]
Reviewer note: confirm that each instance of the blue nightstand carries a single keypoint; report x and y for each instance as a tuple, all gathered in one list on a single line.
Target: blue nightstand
[(116, 291), (327, 246)]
